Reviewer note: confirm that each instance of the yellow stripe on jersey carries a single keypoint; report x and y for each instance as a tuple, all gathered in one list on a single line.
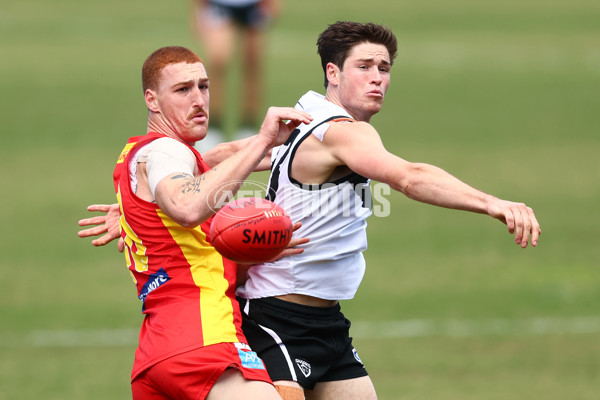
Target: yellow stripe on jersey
[(208, 274), (135, 250)]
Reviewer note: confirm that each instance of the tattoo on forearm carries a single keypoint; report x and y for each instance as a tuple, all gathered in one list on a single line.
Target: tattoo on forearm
[(191, 185)]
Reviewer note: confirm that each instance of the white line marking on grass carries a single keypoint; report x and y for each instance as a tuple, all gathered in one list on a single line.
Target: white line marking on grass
[(475, 327), (397, 329), (84, 338)]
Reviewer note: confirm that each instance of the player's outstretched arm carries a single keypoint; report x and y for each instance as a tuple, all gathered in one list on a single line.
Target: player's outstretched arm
[(106, 225), (424, 182)]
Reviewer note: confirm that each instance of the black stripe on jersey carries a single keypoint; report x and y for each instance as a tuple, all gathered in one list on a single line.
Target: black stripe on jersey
[(358, 182), (275, 169), (353, 177)]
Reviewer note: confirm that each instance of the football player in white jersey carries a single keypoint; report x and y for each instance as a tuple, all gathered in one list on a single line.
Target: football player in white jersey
[(291, 310), (290, 307)]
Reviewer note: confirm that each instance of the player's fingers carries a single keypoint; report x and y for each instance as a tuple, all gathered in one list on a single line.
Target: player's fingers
[(98, 242), (298, 241), (292, 248), (99, 207), (103, 240), (289, 252), (536, 231), (521, 231), (92, 221), (509, 220), (98, 230), (293, 125), (296, 226), (121, 245), (527, 230), (294, 116)]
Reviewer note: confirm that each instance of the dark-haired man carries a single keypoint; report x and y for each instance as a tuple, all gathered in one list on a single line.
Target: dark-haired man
[(320, 176)]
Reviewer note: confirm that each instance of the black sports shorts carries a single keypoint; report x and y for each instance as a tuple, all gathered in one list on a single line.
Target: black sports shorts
[(250, 16), (301, 343)]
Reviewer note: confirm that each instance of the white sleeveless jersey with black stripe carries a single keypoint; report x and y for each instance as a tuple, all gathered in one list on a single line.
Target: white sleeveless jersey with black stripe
[(333, 216)]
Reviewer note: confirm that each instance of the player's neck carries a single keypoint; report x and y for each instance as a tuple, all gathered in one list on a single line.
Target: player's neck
[(332, 97)]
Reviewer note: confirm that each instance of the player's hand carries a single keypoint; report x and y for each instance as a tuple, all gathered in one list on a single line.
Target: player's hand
[(280, 122), (292, 248), (106, 225), (520, 220)]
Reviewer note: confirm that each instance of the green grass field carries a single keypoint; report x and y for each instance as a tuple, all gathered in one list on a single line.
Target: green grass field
[(505, 95)]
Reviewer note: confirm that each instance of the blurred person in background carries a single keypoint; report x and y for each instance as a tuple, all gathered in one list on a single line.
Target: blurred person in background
[(226, 28)]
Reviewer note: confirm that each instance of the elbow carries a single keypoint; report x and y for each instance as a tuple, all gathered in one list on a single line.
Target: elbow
[(194, 218), (188, 222), (183, 218), (408, 183), (405, 187), (189, 217)]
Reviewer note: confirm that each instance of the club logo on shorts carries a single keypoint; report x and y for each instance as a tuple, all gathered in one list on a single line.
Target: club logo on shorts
[(304, 367), (355, 353), (250, 359)]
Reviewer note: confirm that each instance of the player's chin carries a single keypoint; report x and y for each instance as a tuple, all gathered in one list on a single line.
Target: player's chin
[(199, 131), (374, 102), (374, 107)]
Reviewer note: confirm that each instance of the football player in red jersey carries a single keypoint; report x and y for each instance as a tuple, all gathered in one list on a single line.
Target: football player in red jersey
[(191, 344)]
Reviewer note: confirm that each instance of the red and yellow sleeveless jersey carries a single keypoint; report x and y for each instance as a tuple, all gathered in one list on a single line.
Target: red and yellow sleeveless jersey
[(187, 289)]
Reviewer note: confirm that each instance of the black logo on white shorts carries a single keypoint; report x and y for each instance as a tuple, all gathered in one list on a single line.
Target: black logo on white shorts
[(304, 367)]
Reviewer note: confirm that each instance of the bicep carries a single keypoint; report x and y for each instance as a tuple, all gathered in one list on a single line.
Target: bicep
[(166, 158), (360, 148), (168, 188), (169, 169), (175, 194)]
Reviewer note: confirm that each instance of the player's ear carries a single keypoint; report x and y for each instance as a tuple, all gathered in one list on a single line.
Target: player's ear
[(151, 100), (333, 73)]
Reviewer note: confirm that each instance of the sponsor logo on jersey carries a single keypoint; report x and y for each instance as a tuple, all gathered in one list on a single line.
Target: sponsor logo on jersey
[(155, 281), (125, 151), (304, 367)]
